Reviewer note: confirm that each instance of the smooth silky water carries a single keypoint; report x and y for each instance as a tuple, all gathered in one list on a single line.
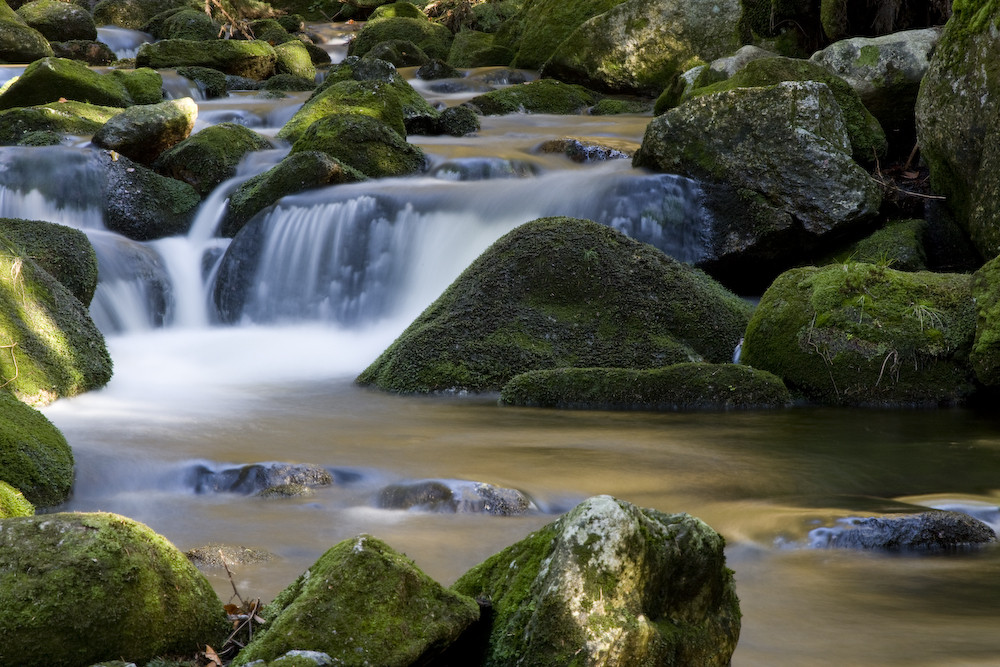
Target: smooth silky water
[(345, 269)]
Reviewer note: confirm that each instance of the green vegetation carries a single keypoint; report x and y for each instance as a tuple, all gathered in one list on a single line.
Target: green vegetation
[(34, 456), (542, 96), (13, 503), (52, 79), (210, 156)]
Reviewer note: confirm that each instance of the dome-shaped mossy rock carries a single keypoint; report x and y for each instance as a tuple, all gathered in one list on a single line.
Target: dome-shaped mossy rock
[(377, 99), (541, 96), (34, 456), (20, 43), (13, 503), (142, 204), (610, 584), (210, 156), (68, 118), (293, 58), (143, 131), (183, 23), (65, 252), (985, 353), (134, 14), (691, 386), (537, 31), (363, 603), (561, 292), (58, 21), (863, 334), (81, 588), (52, 79), (399, 52), (364, 143), (432, 38), (251, 59), (51, 347)]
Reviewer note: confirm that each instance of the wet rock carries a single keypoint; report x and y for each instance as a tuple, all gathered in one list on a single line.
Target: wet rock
[(624, 50), (37, 461), (598, 299), (399, 52), (455, 496), (252, 59), (372, 98), (141, 597), (612, 584), (927, 531), (363, 603), (183, 23), (143, 131), (438, 69), (221, 555), (89, 51), (863, 334), (211, 82), (456, 121), (256, 477), (13, 503), (364, 143), (143, 205), (62, 119), (432, 38), (696, 386), (20, 43), (132, 14), (58, 21), (478, 169), (64, 252), (210, 156), (542, 96), (293, 58), (581, 150), (471, 48), (51, 79)]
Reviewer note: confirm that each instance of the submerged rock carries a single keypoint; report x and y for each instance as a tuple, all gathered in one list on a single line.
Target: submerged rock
[(455, 496), (256, 477), (363, 603), (143, 131), (224, 555), (581, 150), (560, 292), (611, 584), (927, 531), (80, 588), (37, 461)]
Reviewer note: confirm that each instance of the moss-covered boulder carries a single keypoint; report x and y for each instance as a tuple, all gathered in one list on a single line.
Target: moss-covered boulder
[(842, 18), (377, 99), (64, 252), (183, 23), (293, 58), (364, 143), (472, 48), (399, 52), (51, 348), (282, 83), (456, 121), (985, 353), (862, 334), (20, 43), (142, 204), (363, 603), (143, 131), (34, 456), (13, 503), (540, 27), (561, 292), (867, 138), (403, 9), (252, 59), (642, 46), (899, 245), (89, 51), (958, 121), (141, 596), (297, 172), (68, 118), (541, 96), (755, 152), (691, 386), (134, 14), (210, 156), (58, 21), (211, 82), (611, 584), (52, 79), (432, 38)]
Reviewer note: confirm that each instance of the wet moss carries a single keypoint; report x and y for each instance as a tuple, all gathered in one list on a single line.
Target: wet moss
[(542, 96), (210, 156), (898, 245), (561, 292), (13, 503), (293, 58), (34, 456), (378, 99), (252, 59), (985, 355), (434, 39), (58, 118), (611, 107), (51, 79), (363, 143), (64, 252)]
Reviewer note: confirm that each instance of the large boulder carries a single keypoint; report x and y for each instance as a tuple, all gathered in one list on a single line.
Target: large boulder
[(642, 46), (472, 48), (81, 588), (51, 79), (64, 252), (34, 455), (690, 386), (541, 96), (183, 23), (51, 346), (755, 152), (377, 99), (610, 584), (58, 21), (363, 603), (541, 26), (251, 59), (134, 14), (143, 131), (927, 531), (293, 58), (958, 121), (20, 43), (60, 119), (143, 205), (985, 353), (561, 292), (433, 39), (363, 143), (864, 334), (210, 156)]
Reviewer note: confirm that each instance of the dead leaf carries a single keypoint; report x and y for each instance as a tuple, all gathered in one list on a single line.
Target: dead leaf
[(212, 656)]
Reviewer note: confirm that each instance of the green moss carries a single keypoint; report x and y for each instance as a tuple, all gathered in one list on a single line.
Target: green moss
[(611, 107), (377, 99), (899, 245), (270, 31), (49, 79), (134, 14), (478, 49), (64, 252), (542, 96), (59, 118), (434, 39), (183, 23), (13, 503), (20, 43), (34, 456), (868, 56), (985, 355), (545, 24), (252, 59), (629, 306), (211, 82), (293, 58), (363, 143), (207, 158), (406, 10)]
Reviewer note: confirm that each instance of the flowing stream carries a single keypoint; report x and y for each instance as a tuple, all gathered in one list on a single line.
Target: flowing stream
[(343, 270)]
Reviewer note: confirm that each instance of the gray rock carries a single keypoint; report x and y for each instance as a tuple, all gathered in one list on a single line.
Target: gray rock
[(455, 496), (256, 477), (142, 204), (20, 43), (143, 131), (927, 531)]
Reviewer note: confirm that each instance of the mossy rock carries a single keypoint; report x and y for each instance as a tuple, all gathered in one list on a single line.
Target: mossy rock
[(134, 14), (89, 51), (293, 58), (562, 292), (862, 334), (210, 156), (457, 121), (183, 23), (20, 43), (54, 348), (541, 96), (399, 52), (13, 503), (251, 59), (377, 99), (363, 603), (141, 595), (898, 245), (545, 24), (211, 82), (867, 138), (281, 83), (842, 19), (432, 38), (62, 118), (612, 107), (34, 456), (406, 10), (270, 31), (51, 79), (364, 143), (297, 172), (143, 131), (58, 21), (144, 205), (985, 353), (613, 584), (64, 252), (471, 48), (692, 386)]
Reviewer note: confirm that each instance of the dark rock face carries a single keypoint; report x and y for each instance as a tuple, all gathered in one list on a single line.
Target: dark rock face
[(455, 496), (927, 531), (256, 478)]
